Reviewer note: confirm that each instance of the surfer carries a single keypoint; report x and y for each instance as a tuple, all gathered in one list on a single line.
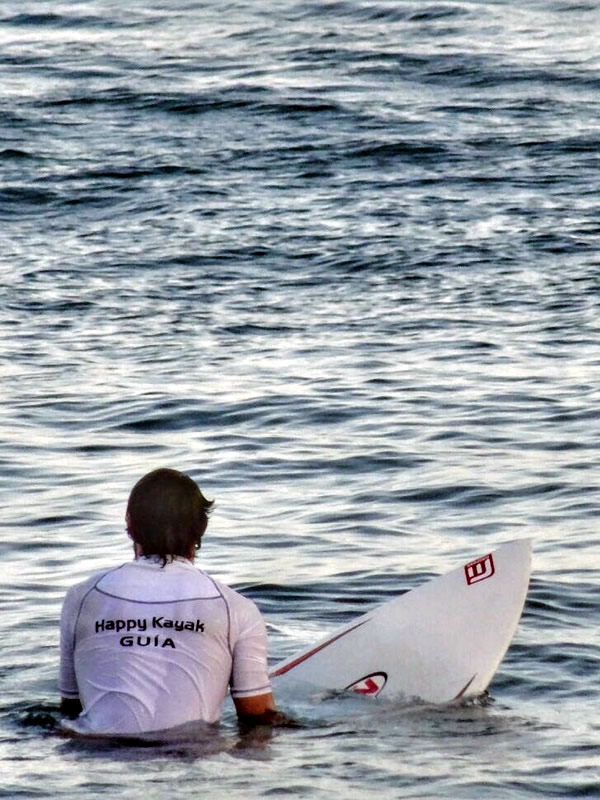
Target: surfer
[(156, 642)]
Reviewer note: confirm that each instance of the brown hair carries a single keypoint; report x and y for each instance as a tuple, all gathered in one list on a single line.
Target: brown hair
[(167, 514)]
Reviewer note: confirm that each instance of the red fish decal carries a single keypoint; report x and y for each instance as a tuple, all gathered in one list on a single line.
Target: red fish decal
[(371, 685)]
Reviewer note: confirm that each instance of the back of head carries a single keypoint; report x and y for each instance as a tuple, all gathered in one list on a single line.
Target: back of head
[(167, 514)]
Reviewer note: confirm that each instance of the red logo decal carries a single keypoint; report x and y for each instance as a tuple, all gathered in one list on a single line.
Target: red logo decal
[(479, 570), (370, 685)]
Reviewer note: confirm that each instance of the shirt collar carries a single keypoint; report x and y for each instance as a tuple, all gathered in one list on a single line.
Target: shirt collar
[(151, 561)]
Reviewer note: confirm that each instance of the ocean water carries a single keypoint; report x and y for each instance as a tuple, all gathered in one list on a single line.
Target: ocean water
[(340, 262)]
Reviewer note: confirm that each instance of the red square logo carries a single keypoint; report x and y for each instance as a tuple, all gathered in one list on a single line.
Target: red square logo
[(480, 570)]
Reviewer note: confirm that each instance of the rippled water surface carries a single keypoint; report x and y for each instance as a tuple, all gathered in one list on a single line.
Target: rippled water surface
[(339, 261)]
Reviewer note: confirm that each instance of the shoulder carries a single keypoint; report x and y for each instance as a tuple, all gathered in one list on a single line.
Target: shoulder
[(79, 590), (241, 605)]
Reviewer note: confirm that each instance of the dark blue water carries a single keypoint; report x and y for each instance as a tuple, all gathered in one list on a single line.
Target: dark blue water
[(339, 261)]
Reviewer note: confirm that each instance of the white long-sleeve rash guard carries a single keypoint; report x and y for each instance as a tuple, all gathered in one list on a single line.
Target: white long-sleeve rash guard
[(147, 647)]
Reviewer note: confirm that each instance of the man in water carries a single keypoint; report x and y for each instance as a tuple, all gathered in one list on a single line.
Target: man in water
[(154, 643)]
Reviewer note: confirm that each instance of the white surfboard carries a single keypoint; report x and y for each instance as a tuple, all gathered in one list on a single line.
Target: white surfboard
[(439, 642)]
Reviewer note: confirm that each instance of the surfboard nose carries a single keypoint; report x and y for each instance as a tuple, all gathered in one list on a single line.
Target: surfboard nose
[(440, 641)]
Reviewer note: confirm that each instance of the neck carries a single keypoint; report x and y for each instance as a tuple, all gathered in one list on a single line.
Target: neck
[(139, 553)]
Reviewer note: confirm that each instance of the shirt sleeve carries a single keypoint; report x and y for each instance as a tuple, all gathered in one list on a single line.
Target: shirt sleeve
[(250, 675), (67, 680)]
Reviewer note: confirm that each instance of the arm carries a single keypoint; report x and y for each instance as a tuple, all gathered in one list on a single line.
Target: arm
[(250, 684), (70, 704), (70, 707), (260, 710)]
